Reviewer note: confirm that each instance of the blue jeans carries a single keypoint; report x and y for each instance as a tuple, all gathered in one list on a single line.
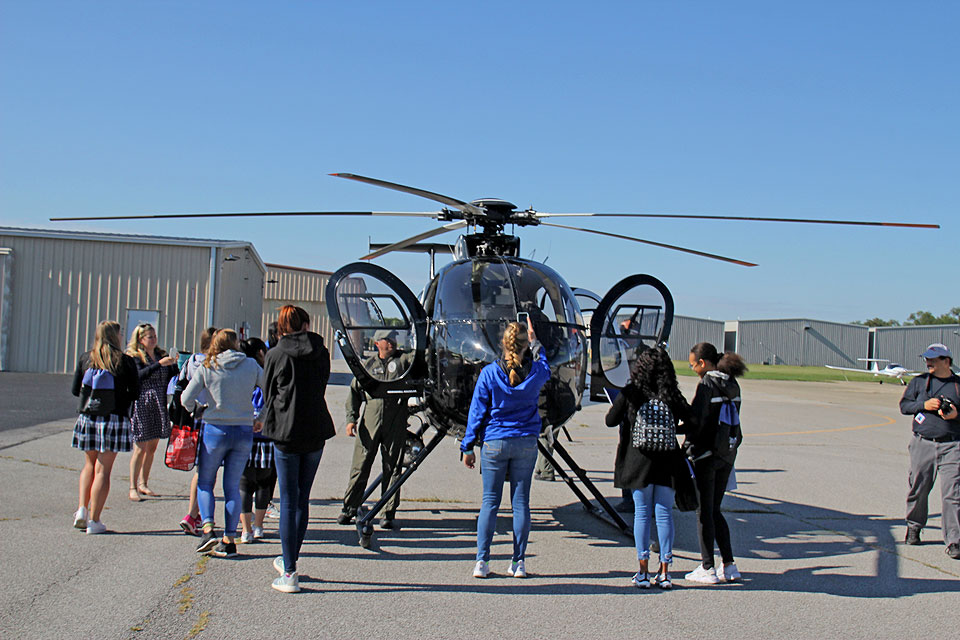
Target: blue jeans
[(228, 445), (658, 499), (295, 474), (497, 457)]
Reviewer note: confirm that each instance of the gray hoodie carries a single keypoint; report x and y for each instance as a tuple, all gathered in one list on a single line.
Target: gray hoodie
[(230, 386)]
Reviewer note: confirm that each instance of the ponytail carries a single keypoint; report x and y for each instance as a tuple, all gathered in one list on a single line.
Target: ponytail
[(729, 363)]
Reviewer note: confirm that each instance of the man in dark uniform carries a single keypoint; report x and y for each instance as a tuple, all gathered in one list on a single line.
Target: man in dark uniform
[(383, 426), (933, 398)]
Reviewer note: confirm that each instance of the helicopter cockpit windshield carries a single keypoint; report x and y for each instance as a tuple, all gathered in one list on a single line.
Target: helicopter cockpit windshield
[(470, 304)]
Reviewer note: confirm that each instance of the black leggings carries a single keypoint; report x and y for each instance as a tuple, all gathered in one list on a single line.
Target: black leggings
[(712, 477), (257, 483)]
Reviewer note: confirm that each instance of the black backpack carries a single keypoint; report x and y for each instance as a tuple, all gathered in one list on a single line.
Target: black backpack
[(654, 428), (98, 394)]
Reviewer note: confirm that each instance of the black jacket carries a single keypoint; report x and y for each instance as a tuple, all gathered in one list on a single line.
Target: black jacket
[(295, 373), (705, 412), (929, 424), (126, 383), (635, 468)]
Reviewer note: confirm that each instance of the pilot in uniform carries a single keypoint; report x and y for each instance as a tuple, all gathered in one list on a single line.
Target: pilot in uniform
[(383, 426)]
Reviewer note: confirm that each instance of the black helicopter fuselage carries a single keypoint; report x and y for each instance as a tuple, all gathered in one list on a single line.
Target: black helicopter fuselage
[(469, 304)]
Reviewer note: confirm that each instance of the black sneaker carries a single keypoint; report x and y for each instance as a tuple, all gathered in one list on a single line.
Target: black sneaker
[(207, 542), (913, 535), (345, 517), (387, 522), (953, 550), (225, 550)]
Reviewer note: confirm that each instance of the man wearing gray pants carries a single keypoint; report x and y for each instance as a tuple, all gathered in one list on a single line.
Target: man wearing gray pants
[(933, 399)]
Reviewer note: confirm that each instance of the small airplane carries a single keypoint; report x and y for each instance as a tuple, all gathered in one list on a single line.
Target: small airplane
[(892, 369)]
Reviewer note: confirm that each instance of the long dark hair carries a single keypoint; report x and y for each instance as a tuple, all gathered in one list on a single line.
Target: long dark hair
[(728, 363), (654, 376)]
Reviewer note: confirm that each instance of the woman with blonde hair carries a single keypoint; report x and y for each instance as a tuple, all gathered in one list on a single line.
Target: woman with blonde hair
[(504, 417), (102, 431), (150, 421), (229, 378)]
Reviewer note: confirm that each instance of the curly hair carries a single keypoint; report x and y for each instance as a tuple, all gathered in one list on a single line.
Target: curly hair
[(652, 373), (515, 342)]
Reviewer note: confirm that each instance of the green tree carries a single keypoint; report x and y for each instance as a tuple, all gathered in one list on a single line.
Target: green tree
[(878, 322), (926, 318)]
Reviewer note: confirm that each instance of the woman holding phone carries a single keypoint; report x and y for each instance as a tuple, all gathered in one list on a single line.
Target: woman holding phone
[(504, 417)]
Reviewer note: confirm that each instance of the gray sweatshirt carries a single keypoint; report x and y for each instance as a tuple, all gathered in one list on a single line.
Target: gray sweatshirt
[(230, 386)]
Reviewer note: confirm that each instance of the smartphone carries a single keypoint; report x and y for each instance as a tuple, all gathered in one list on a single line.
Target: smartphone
[(523, 317)]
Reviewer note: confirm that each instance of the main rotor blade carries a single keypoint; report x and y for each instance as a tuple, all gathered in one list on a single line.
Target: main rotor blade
[(406, 214), (682, 216), (466, 207), (459, 224), (651, 242)]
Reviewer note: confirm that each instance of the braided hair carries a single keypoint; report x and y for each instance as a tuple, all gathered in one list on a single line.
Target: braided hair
[(515, 343)]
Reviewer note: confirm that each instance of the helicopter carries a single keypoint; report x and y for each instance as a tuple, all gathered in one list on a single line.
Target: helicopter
[(453, 328)]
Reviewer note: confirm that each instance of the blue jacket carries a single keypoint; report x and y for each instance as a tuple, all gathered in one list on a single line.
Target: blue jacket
[(499, 411)]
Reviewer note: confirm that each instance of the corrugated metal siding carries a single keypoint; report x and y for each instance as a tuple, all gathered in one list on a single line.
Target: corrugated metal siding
[(303, 288), (904, 345), (688, 331), (239, 296), (801, 342), (64, 287)]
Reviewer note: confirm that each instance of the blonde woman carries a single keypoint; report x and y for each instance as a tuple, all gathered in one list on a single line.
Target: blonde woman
[(101, 437), (150, 421), (503, 415)]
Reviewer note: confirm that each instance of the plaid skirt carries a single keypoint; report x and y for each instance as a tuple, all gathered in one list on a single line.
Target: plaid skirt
[(261, 455), (103, 433)]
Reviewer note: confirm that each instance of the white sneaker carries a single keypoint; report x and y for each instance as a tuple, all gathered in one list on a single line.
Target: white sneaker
[(703, 576), (80, 518), (287, 583), (94, 527), (482, 569), (278, 564), (728, 572), (246, 537), (272, 511), (257, 533), (517, 570)]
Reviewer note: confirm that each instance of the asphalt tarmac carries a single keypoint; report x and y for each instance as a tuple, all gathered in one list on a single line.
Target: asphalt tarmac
[(817, 525)]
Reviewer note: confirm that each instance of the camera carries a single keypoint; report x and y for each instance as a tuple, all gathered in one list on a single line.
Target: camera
[(946, 405)]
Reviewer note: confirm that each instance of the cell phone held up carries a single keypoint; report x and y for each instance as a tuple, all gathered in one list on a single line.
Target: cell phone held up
[(523, 317)]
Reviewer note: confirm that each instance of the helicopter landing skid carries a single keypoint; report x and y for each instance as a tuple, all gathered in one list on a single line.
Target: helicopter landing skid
[(607, 514), (365, 518)]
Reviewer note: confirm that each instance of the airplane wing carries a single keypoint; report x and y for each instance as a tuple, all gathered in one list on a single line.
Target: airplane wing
[(849, 369)]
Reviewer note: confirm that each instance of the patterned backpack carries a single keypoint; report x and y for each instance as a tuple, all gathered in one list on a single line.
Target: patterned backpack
[(654, 428)]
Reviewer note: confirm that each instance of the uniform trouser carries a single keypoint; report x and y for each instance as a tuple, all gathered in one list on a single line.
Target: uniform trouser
[(543, 468), (927, 460), (390, 443)]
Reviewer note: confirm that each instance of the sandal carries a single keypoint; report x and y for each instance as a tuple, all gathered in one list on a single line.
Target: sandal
[(134, 495), (146, 491)]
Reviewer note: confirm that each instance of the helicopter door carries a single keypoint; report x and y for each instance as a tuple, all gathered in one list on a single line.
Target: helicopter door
[(636, 314), (367, 304)]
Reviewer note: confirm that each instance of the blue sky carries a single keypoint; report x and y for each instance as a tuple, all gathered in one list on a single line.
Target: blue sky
[(845, 110)]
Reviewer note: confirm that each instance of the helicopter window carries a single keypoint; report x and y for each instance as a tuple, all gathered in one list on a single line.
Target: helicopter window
[(371, 312)]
